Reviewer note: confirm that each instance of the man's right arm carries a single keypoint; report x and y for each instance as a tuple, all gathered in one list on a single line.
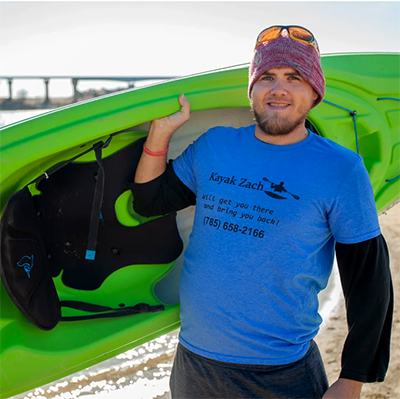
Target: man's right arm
[(157, 142), (156, 189)]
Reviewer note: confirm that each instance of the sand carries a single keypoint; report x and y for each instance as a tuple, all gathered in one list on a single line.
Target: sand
[(333, 332)]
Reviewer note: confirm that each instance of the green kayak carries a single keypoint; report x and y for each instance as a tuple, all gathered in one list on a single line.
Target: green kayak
[(361, 111)]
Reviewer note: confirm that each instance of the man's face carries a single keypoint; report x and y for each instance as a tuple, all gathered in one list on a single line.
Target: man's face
[(281, 100)]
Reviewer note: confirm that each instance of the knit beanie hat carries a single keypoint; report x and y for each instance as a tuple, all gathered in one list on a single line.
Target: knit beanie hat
[(284, 52)]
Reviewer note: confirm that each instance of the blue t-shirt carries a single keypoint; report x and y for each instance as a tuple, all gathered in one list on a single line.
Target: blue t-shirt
[(262, 244)]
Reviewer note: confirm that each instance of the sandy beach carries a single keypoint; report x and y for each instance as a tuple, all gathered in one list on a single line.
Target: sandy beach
[(333, 332)]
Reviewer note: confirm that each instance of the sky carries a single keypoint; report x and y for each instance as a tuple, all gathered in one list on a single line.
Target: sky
[(150, 38)]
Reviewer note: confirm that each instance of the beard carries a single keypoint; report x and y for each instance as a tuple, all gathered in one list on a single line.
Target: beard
[(276, 125)]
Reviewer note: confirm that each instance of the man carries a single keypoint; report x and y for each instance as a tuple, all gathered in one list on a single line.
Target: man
[(250, 279)]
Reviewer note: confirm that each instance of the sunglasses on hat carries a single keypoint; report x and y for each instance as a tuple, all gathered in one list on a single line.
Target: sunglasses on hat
[(295, 32)]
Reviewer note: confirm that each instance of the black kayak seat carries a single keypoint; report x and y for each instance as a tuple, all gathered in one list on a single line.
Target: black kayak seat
[(50, 232), (64, 209)]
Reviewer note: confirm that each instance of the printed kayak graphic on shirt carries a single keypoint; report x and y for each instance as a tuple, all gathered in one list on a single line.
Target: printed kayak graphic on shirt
[(258, 186), (278, 188)]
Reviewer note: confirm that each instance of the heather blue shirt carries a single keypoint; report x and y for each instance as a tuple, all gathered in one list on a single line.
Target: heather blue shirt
[(262, 245)]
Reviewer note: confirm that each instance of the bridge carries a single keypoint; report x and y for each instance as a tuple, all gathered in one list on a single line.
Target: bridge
[(75, 79)]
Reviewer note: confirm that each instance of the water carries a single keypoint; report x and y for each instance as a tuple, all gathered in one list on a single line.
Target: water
[(140, 373), (8, 117)]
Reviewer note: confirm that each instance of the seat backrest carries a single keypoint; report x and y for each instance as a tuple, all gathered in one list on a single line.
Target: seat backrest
[(64, 210)]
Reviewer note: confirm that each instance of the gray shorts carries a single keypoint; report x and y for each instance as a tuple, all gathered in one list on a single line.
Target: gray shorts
[(194, 376)]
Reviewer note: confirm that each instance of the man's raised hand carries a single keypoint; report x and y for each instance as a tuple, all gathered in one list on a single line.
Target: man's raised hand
[(153, 161), (168, 125)]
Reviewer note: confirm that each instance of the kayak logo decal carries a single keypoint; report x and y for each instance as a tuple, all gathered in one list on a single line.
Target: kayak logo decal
[(27, 263), (278, 188)]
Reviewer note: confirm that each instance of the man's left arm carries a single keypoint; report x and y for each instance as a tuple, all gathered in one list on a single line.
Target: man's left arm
[(368, 291)]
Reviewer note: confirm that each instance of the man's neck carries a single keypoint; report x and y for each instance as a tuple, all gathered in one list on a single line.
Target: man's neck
[(296, 136)]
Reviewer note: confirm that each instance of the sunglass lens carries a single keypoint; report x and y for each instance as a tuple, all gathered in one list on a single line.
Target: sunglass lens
[(301, 34), (269, 34)]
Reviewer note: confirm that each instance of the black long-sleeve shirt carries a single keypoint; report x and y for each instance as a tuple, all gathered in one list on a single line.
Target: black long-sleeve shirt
[(364, 273)]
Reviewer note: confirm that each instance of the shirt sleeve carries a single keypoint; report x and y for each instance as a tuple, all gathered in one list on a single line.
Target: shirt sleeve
[(162, 195), (183, 167), (368, 291), (353, 217)]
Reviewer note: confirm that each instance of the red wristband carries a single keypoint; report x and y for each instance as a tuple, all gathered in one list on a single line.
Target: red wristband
[(154, 154)]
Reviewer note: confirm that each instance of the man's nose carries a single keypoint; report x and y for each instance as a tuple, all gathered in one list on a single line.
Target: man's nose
[(279, 88)]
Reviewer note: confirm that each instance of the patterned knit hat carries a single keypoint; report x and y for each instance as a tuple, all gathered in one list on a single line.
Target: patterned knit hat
[(285, 52)]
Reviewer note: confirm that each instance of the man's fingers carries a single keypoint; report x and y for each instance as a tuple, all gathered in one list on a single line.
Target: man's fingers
[(183, 101), (185, 106), (170, 123)]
